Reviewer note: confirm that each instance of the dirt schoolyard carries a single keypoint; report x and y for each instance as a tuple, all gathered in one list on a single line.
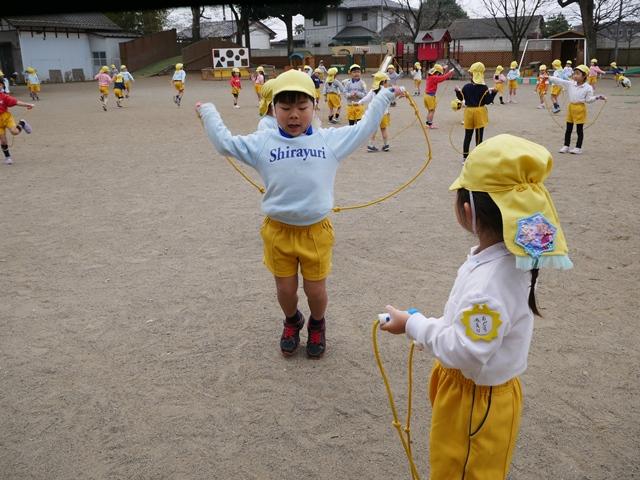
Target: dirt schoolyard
[(140, 329)]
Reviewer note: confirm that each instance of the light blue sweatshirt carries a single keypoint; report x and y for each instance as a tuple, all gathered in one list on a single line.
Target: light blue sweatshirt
[(268, 122), (298, 172)]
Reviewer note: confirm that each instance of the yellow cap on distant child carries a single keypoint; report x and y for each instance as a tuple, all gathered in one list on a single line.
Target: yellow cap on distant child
[(391, 67), (557, 64), (569, 62), (235, 70), (477, 70), (179, 66), (583, 68), (499, 68), (113, 66), (378, 78), (103, 69), (260, 69), (417, 65), (30, 70), (293, 81), (436, 68), (594, 60), (332, 72), (514, 64), (613, 64), (266, 97), (543, 67), (512, 170), (355, 65), (123, 67)]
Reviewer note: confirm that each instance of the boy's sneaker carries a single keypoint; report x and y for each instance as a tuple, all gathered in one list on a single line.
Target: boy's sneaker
[(236, 106), (290, 338), (316, 342), (555, 109), (433, 126), (25, 126), (576, 151), (104, 107), (541, 106), (372, 148), (564, 149), (385, 148), (8, 161)]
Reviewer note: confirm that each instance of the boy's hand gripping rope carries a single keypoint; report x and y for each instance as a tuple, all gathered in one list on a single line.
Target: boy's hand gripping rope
[(555, 118), (403, 433), (426, 163)]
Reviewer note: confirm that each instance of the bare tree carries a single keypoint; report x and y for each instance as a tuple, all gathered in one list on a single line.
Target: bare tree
[(197, 13), (514, 17), (428, 14)]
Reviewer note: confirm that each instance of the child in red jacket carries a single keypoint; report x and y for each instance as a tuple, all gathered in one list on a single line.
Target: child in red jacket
[(8, 122)]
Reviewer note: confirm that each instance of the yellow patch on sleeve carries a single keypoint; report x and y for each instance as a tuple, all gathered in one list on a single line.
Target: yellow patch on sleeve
[(482, 323)]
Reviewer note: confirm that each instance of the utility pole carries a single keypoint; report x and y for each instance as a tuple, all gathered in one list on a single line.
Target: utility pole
[(615, 50)]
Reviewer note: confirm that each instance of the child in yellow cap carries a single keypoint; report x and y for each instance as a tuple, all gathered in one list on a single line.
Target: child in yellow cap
[(118, 88), (594, 71), (354, 90), (128, 80), (393, 78), (475, 96), (498, 82), (617, 71), (579, 93), (104, 79), (512, 77), (8, 122), (258, 80), (558, 72), (33, 83), (435, 77), (416, 73), (297, 163), (481, 342), (317, 82), (236, 86), (542, 84), (380, 80), (332, 90), (178, 80)]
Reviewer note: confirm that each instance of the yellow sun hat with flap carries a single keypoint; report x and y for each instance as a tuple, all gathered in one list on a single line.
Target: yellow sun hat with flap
[(477, 70), (266, 97), (293, 81), (378, 78), (512, 171)]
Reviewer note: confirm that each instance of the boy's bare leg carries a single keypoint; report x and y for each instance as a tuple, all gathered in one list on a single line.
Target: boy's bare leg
[(287, 290), (317, 297)]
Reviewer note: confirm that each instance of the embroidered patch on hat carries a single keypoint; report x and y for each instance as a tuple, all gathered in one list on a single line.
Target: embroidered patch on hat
[(482, 323), (536, 235)]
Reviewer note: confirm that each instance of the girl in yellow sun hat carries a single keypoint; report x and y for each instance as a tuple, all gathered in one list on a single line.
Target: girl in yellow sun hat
[(380, 80), (178, 80), (481, 342), (512, 76)]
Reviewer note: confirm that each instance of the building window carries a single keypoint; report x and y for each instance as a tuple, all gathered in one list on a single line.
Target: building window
[(317, 44), (365, 16), (349, 17), (99, 59), (321, 21)]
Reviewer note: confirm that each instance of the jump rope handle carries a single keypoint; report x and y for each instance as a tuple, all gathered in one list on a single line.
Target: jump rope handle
[(385, 317)]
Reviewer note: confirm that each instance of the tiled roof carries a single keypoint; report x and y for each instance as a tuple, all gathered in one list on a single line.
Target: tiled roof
[(435, 35), (82, 21), (385, 4), (355, 32), (468, 28), (221, 29)]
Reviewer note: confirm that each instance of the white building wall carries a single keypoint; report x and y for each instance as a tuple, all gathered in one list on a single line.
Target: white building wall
[(46, 53), (322, 34), (260, 40), (498, 45)]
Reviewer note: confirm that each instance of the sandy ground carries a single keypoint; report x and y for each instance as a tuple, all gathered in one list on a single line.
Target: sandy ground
[(140, 328)]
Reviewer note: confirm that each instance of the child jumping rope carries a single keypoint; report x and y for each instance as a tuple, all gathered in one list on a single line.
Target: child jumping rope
[(258, 80), (33, 83), (558, 72), (354, 89), (104, 79), (594, 71), (8, 122), (542, 84), (580, 93), (332, 90), (482, 340), (435, 76), (498, 82), (417, 78), (236, 86), (379, 81), (512, 76), (178, 80), (298, 165)]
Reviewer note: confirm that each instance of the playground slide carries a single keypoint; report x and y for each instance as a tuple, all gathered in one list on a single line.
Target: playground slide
[(385, 63)]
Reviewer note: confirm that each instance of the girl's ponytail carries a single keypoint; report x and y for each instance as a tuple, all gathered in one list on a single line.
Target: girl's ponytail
[(532, 293)]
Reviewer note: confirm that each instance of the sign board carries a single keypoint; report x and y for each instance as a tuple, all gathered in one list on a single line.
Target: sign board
[(230, 57)]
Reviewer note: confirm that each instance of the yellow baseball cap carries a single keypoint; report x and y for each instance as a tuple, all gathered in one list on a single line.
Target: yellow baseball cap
[(266, 97), (123, 67), (378, 78), (260, 69), (103, 69), (613, 64), (477, 70), (437, 68), (417, 65), (557, 64), (594, 60), (391, 67), (512, 170), (293, 81), (514, 64), (332, 72), (179, 66), (499, 68), (583, 68), (543, 67), (355, 65), (235, 70), (569, 62), (31, 70)]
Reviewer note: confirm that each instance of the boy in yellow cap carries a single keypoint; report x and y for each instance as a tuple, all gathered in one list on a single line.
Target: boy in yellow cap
[(481, 342), (317, 82), (258, 80), (617, 71), (128, 80), (298, 165), (568, 70), (380, 80), (579, 93), (542, 84), (512, 77), (475, 96), (33, 83), (354, 90), (332, 89), (236, 86), (393, 78), (118, 88), (435, 77), (417, 78), (178, 80), (594, 71), (498, 82), (558, 72), (104, 79)]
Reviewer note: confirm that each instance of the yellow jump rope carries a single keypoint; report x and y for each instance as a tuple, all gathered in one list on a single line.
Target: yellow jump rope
[(555, 117)]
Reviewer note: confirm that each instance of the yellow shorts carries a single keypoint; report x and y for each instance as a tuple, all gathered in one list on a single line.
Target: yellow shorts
[(333, 100), (317, 94), (577, 113), (386, 121), (417, 83), (34, 87), (499, 87), (235, 91), (513, 84), (475, 117), (430, 102), (287, 246), (179, 86), (6, 121), (355, 112), (542, 89), (104, 89), (118, 93), (258, 87), (618, 77), (556, 90), (491, 413), (592, 80), (127, 85)]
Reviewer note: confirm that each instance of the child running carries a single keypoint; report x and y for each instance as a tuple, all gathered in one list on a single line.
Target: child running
[(178, 80), (128, 80), (258, 80), (417, 78), (104, 79), (512, 76), (298, 165), (594, 71), (118, 88), (33, 83), (236, 86), (558, 72), (435, 76), (332, 90), (8, 122), (354, 89), (379, 81), (475, 96), (580, 93), (542, 84), (481, 342), (498, 82)]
